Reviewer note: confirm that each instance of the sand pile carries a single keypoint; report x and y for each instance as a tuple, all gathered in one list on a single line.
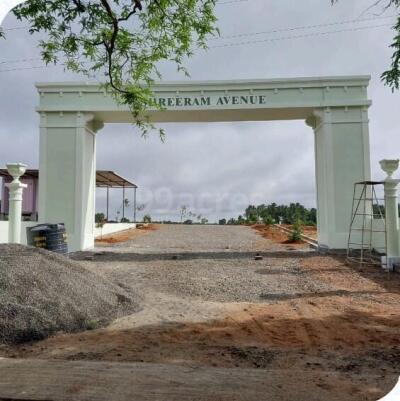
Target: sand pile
[(42, 292)]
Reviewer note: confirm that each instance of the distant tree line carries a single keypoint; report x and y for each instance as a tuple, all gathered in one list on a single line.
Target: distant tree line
[(273, 213)]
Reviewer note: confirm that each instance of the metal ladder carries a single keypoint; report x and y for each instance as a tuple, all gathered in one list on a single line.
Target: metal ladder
[(367, 242)]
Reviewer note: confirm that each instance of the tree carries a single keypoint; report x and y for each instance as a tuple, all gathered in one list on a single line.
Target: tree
[(251, 214), (391, 77), (204, 220), (146, 218), (268, 220), (124, 40), (222, 222), (99, 217), (183, 211), (272, 213)]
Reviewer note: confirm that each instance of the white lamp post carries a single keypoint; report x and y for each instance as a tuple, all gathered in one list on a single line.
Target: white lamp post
[(391, 212), (15, 205)]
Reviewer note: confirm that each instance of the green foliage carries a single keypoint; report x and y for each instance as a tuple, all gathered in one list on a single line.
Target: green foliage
[(126, 39), (268, 220), (288, 214), (252, 214), (125, 220), (100, 220), (91, 324), (99, 217), (241, 220), (123, 40), (297, 231), (146, 218), (222, 222), (391, 77)]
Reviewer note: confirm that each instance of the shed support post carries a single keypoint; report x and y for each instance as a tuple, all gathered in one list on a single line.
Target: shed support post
[(134, 205), (108, 200), (123, 202)]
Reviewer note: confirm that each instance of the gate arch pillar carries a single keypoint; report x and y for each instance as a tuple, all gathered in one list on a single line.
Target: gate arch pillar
[(67, 162), (341, 158)]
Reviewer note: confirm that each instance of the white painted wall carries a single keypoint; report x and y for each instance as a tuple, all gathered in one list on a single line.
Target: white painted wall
[(109, 228), (112, 228), (4, 231)]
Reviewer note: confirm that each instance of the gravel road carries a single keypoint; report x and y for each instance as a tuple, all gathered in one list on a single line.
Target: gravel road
[(211, 263), (206, 301)]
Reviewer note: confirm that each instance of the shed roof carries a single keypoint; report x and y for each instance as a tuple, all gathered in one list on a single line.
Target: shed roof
[(111, 179), (104, 178)]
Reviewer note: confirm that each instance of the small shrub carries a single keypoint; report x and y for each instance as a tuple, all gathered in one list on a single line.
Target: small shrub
[(268, 220), (91, 324), (297, 231)]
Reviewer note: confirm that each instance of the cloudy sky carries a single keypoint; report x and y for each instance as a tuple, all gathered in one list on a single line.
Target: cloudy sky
[(218, 169)]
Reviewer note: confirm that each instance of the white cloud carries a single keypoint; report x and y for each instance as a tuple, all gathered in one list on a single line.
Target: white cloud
[(234, 163)]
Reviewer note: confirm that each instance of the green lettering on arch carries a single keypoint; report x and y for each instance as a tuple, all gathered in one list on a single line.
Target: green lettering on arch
[(206, 101)]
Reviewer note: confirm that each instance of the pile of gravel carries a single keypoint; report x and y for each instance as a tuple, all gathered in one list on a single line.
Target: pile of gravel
[(42, 293)]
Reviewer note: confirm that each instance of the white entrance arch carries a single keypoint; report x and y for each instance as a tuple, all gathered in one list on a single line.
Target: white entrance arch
[(335, 107)]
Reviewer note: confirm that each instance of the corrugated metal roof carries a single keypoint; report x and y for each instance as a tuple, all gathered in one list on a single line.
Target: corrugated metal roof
[(111, 179), (104, 178)]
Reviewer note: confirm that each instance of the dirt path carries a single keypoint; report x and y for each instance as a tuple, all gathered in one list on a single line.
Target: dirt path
[(207, 302)]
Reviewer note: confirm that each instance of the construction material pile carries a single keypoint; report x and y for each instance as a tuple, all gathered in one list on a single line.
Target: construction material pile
[(42, 293)]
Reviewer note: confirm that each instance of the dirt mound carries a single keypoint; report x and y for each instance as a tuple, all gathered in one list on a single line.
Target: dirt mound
[(278, 236), (42, 292)]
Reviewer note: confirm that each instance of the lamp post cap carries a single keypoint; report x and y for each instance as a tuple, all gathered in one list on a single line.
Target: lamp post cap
[(389, 166), (16, 169)]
